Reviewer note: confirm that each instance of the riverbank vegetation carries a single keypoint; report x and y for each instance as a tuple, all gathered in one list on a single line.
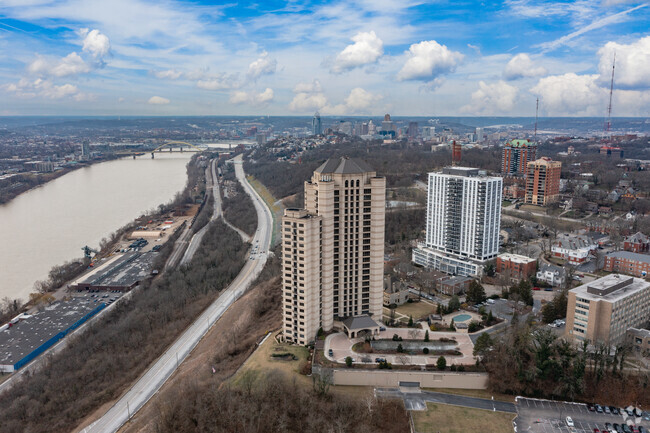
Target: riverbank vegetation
[(61, 274), (100, 363)]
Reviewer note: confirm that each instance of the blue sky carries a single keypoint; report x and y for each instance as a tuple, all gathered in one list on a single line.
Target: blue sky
[(354, 57)]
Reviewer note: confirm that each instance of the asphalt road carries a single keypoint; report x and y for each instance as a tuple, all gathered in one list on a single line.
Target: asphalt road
[(213, 184), (418, 400), (153, 379)]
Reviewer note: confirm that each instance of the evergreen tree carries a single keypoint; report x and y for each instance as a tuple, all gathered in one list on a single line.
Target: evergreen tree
[(475, 293)]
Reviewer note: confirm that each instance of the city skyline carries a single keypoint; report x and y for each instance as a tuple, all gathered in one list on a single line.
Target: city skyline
[(340, 58)]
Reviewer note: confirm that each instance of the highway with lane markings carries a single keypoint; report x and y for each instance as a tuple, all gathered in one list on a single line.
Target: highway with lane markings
[(154, 378)]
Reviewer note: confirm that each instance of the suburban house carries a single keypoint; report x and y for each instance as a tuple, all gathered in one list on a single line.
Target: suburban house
[(551, 274), (575, 250), (396, 292)]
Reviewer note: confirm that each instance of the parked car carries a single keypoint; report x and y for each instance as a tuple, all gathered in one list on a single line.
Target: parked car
[(642, 429), (548, 289), (614, 410), (569, 421), (536, 288), (608, 427), (599, 408), (606, 410), (626, 428), (591, 407), (331, 352)]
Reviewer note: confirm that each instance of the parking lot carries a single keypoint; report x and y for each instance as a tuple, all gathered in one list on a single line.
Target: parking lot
[(544, 416)]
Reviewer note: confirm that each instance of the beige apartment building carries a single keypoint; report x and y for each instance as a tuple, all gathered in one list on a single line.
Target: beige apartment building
[(603, 310), (543, 181), (333, 250)]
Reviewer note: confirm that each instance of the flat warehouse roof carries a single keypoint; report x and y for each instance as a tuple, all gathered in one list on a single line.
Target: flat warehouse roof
[(31, 332)]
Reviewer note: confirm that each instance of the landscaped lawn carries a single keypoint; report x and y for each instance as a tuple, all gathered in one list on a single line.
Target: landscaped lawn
[(417, 309), (454, 419), (262, 361)]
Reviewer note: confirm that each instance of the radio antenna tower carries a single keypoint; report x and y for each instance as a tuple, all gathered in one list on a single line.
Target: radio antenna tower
[(536, 113), (608, 124)]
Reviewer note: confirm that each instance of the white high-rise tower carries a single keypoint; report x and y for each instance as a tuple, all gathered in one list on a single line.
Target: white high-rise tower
[(463, 221)]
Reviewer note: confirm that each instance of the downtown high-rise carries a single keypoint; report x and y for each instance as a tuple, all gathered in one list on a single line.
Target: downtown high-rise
[(333, 250), (516, 156), (463, 221)]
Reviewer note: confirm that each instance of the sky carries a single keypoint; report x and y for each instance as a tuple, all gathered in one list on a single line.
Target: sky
[(342, 58)]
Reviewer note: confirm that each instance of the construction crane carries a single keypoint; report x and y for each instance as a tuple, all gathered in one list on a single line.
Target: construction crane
[(88, 251), (608, 123)]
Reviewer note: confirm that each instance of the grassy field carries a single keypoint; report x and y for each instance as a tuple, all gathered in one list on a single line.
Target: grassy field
[(262, 360), (478, 393), (416, 309), (452, 419)]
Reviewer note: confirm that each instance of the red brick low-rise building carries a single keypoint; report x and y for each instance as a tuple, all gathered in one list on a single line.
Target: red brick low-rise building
[(627, 262), (517, 266), (637, 243)]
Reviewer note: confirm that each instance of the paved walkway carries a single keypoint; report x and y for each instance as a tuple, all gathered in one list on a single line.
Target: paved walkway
[(341, 347)]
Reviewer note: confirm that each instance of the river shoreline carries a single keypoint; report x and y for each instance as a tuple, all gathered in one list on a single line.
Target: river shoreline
[(36, 298), (6, 199)]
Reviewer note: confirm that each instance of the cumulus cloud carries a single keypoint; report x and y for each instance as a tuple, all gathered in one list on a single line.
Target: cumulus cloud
[(571, 94), (308, 97), (72, 64), (264, 65), (46, 89), (357, 102), (95, 43), (632, 64), (489, 99), (158, 100), (169, 74), (360, 99), (308, 101), (366, 49), (253, 98), (521, 66), (427, 60), (312, 87)]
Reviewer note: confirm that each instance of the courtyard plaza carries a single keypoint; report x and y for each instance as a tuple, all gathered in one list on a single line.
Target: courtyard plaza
[(341, 347)]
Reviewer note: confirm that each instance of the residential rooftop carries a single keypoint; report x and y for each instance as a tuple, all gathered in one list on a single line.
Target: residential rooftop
[(515, 258), (629, 255)]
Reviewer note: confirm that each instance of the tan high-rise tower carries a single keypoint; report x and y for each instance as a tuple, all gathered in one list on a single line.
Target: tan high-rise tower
[(333, 250)]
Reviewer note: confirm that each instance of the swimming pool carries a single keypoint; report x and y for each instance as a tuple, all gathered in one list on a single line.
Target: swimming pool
[(462, 318)]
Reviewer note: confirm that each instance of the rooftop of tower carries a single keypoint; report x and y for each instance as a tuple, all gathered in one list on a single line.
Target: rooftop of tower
[(344, 165)]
